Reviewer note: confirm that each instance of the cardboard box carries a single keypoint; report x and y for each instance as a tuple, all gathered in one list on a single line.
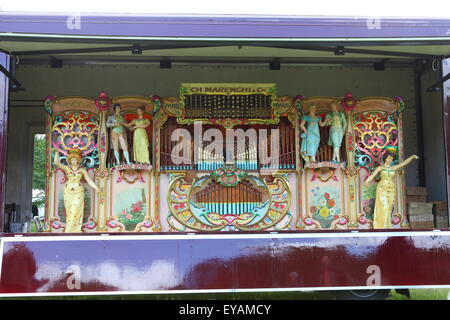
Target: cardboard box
[(420, 208), (421, 205), (441, 220), (421, 217), (440, 205), (441, 225), (421, 224), (416, 199), (415, 212), (416, 191)]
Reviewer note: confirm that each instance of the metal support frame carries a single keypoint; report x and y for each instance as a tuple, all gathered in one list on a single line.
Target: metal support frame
[(177, 44), (445, 68), (128, 48), (418, 71), (14, 82), (354, 51), (5, 62), (437, 86)]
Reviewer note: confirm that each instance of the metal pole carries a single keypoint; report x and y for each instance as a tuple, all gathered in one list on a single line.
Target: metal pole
[(445, 69), (419, 123), (4, 95)]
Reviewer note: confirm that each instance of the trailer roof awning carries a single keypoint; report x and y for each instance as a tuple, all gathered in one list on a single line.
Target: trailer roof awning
[(36, 38), (42, 52), (141, 26)]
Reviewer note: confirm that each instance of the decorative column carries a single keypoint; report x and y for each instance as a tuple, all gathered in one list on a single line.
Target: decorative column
[(349, 104), (401, 182), (159, 118), (103, 103), (298, 106), (49, 187)]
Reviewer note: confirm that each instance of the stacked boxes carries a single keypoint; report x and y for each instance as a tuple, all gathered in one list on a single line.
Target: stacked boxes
[(440, 210), (416, 194), (421, 215), (419, 211)]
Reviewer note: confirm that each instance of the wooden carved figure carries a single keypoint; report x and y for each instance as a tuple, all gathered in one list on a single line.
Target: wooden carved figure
[(118, 138), (311, 134), (74, 190), (140, 138), (338, 124), (386, 188)]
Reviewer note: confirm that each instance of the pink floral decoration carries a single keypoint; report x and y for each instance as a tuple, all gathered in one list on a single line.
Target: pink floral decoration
[(348, 102), (148, 223), (112, 224), (395, 220), (137, 207), (103, 102)]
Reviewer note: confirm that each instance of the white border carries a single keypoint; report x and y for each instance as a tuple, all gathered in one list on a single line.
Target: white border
[(299, 289), (285, 39), (300, 235)]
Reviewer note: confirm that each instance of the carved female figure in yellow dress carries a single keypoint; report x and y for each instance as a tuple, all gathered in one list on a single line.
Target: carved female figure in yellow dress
[(140, 138), (386, 189), (73, 189)]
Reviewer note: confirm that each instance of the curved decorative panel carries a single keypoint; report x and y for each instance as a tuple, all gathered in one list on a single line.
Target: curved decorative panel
[(229, 200), (77, 130), (374, 131)]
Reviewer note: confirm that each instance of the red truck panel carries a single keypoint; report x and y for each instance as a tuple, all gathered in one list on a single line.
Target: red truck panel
[(174, 263)]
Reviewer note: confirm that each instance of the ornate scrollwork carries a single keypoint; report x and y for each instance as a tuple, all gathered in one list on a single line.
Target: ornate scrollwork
[(77, 130), (90, 225), (373, 132), (113, 225), (363, 220), (134, 171), (55, 225), (48, 104), (103, 102), (228, 176), (145, 226), (231, 215), (278, 106)]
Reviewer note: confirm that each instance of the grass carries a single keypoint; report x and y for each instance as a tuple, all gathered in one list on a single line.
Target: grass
[(416, 294), (422, 294)]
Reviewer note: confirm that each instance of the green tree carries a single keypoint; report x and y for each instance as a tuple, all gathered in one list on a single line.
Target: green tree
[(39, 171)]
